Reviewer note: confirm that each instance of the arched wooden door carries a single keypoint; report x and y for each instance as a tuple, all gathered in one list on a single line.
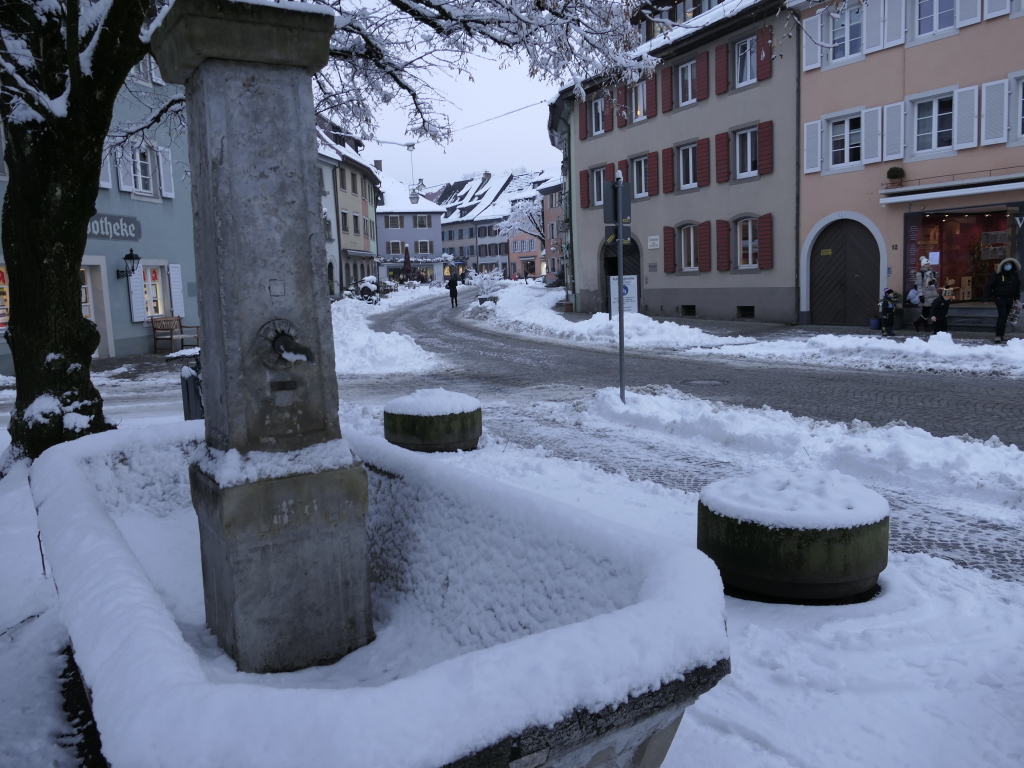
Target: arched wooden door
[(844, 275)]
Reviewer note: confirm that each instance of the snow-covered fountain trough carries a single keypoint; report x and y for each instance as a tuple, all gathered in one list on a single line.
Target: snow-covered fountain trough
[(434, 420), (511, 630), (806, 535)]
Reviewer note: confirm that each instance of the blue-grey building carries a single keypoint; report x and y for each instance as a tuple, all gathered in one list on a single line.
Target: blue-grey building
[(144, 205), (408, 220)]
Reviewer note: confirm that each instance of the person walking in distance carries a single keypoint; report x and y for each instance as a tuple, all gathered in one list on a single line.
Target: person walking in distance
[(888, 308), (940, 308), (453, 290), (1004, 286)]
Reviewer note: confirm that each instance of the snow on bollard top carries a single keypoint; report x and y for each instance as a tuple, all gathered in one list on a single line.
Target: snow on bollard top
[(801, 499), (432, 402)]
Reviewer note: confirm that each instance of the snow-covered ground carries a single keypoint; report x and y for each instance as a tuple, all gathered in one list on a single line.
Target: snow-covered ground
[(527, 309)]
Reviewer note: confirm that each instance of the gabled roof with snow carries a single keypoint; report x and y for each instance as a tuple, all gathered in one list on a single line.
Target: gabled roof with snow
[(396, 198), (489, 197), (331, 150)]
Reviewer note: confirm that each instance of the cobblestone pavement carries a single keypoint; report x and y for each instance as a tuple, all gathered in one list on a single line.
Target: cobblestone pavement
[(522, 372)]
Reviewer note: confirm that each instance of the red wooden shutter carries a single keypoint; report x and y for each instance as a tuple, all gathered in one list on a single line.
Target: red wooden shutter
[(583, 105), (722, 158), (666, 89), (668, 180), (722, 236), (701, 86), (609, 172), (704, 163), (609, 110), (652, 173), (765, 250), (622, 112), (652, 95), (704, 246), (765, 152), (584, 189), (668, 234), (764, 53), (721, 69), (624, 167)]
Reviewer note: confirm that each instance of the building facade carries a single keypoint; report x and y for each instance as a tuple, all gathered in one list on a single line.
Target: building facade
[(553, 224), (912, 150), (714, 207), (409, 221), (143, 205)]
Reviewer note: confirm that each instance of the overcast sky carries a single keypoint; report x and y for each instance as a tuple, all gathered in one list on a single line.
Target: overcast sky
[(517, 140)]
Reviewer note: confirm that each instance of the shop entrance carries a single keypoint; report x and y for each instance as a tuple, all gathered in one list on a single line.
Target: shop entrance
[(630, 266), (844, 275)]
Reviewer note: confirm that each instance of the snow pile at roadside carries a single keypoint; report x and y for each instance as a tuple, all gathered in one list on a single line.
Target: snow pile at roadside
[(6, 381), (360, 350)]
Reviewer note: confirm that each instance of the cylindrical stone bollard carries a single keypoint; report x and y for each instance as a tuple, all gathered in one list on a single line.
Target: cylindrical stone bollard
[(434, 420), (803, 536)]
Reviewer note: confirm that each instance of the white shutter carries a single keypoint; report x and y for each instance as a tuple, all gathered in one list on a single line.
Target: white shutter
[(894, 22), (137, 297), (965, 118), (871, 133), (105, 169), (812, 146), (995, 8), (874, 17), (892, 134), (125, 175), (812, 38), (177, 297), (994, 97), (166, 171), (968, 12)]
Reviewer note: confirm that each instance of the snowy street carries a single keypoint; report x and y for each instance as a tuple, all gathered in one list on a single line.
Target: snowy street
[(927, 674)]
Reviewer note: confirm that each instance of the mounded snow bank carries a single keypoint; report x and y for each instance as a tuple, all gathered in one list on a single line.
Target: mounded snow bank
[(802, 499), (497, 610), (432, 402)]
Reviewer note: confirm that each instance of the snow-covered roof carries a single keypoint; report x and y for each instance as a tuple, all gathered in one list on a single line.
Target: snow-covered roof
[(396, 198), (489, 197), (331, 150), (684, 29)]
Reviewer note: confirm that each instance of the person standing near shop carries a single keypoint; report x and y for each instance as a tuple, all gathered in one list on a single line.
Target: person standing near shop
[(939, 310), (1004, 287), (887, 306), (927, 296)]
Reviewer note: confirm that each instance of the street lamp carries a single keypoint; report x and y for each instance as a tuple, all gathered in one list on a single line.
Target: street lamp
[(131, 263)]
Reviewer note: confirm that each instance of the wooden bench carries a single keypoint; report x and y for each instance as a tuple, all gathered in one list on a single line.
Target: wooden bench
[(167, 330)]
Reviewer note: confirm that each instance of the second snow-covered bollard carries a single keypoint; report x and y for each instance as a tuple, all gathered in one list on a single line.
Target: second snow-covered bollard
[(800, 536), (434, 420)]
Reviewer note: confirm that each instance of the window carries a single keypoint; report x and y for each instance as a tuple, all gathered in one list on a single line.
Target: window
[(638, 101), (746, 61), (746, 243), (687, 83), (328, 231), (481, 232), (460, 234), (552, 234), (366, 226), (393, 222), (492, 230), (933, 123), (355, 184), (598, 186), (597, 116), (393, 248), (153, 291), (422, 222), (344, 221), (146, 71), (688, 166), (688, 247), (935, 15), (746, 153), (355, 224), (423, 246), (469, 250), (846, 141), (142, 169), (341, 180), (1020, 104), (640, 177), (846, 34)]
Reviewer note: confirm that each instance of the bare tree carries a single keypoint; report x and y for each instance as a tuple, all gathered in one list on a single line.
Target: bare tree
[(63, 64), (525, 218)]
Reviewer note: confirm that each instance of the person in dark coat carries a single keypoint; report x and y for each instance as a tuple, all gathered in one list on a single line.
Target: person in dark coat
[(888, 308), (453, 290), (1004, 287), (940, 308)]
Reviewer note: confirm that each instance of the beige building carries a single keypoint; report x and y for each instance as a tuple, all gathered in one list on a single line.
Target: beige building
[(912, 149)]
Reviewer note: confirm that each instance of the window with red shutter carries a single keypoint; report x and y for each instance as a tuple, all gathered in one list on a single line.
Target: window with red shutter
[(609, 109), (722, 158), (765, 251), (609, 172), (703, 163), (722, 245), (652, 95), (621, 108), (764, 53), (584, 189), (582, 106), (701, 86), (652, 173), (668, 236), (667, 169), (765, 151), (704, 246), (666, 89), (721, 69)]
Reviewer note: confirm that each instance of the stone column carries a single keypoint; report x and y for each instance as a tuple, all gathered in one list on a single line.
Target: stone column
[(284, 554)]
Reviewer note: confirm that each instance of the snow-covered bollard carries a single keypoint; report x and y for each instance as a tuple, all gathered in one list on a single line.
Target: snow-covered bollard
[(433, 420), (806, 535)]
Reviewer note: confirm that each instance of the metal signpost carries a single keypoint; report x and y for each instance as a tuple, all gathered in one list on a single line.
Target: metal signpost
[(617, 211)]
